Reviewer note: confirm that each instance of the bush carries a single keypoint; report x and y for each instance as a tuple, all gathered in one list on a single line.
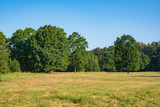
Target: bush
[(14, 65)]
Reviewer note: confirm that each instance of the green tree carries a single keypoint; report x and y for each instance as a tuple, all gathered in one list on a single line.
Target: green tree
[(96, 64), (4, 55), (14, 65), (78, 45), (20, 46), (99, 52), (151, 50), (50, 49), (126, 54), (155, 60), (144, 61), (158, 63), (108, 61), (92, 62)]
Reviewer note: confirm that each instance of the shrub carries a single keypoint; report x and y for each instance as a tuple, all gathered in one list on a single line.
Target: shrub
[(14, 65)]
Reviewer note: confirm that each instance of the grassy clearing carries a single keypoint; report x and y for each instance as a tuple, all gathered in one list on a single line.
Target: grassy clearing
[(80, 89)]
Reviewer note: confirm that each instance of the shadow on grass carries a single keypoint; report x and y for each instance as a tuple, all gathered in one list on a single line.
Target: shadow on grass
[(73, 98), (144, 76)]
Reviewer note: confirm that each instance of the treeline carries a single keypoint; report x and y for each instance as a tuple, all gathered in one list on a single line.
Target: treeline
[(149, 57), (48, 49)]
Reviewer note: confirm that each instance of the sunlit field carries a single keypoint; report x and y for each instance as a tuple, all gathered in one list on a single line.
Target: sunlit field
[(80, 89)]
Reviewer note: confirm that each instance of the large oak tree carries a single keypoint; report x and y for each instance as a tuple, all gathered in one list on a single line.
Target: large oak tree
[(50, 49), (126, 54)]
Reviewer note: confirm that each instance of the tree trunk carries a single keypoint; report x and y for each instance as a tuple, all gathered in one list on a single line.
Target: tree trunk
[(20, 70), (75, 68), (51, 71), (127, 72), (37, 69)]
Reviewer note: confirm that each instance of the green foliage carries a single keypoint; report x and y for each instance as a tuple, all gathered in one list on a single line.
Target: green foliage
[(153, 52), (99, 52), (100, 59), (144, 61), (50, 49), (4, 55), (78, 45), (47, 50), (14, 65), (155, 60), (126, 54), (108, 61), (92, 62), (20, 46)]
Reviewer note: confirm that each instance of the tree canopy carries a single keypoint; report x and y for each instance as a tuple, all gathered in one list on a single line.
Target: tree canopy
[(4, 55), (77, 46), (20, 47), (144, 61), (50, 49), (92, 62), (108, 61), (126, 54)]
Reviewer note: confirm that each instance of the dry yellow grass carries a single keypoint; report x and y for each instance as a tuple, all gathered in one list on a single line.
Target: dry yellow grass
[(80, 89)]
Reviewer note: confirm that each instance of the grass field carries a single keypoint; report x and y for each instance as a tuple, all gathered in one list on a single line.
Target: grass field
[(80, 89)]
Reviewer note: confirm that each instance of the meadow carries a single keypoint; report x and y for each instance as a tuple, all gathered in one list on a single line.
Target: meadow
[(84, 89)]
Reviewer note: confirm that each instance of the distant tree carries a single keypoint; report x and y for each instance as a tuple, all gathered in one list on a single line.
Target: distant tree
[(126, 54), (108, 61), (4, 55), (50, 49), (20, 47), (14, 65), (77, 46), (144, 61), (141, 46), (96, 64), (99, 53), (151, 50), (100, 59), (158, 59), (158, 63), (92, 62), (148, 50), (111, 48), (155, 60)]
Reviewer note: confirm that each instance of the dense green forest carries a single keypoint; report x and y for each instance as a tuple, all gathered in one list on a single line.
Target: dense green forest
[(48, 49)]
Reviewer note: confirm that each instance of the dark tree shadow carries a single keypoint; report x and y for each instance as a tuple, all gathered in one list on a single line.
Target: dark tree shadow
[(145, 76)]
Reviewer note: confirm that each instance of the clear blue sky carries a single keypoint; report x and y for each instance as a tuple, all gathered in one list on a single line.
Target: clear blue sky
[(99, 21)]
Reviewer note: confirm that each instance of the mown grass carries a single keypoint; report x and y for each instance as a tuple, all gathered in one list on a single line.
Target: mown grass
[(86, 89)]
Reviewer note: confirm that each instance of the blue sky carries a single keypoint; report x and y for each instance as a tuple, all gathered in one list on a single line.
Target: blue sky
[(99, 21)]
